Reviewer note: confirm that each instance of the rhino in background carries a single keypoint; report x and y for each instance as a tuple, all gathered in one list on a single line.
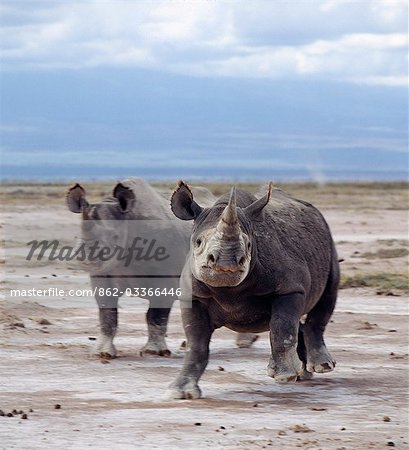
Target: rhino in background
[(257, 265), (109, 222), (112, 222)]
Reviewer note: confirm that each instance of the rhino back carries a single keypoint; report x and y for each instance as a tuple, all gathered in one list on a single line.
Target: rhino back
[(295, 247), (149, 203)]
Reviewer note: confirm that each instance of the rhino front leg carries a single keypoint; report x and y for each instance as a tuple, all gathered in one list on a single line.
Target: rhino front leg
[(285, 365), (108, 319), (157, 320), (198, 329)]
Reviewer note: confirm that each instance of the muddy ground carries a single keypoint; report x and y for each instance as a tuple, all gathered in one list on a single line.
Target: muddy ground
[(73, 400)]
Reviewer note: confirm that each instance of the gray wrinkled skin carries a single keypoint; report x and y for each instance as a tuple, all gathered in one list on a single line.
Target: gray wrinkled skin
[(257, 265)]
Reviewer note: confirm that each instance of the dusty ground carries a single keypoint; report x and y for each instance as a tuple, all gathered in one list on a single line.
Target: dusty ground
[(45, 346)]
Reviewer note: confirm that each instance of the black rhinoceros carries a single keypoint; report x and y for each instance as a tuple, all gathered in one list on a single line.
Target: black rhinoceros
[(257, 265), (128, 223)]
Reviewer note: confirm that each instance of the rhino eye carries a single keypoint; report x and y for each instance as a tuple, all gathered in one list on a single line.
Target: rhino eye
[(198, 242), (248, 245)]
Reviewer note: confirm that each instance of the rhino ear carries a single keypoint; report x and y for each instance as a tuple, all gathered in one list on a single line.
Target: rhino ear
[(125, 197), (255, 209), (182, 204), (75, 198)]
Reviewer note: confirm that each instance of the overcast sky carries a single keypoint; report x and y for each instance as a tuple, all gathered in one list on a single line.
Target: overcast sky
[(275, 76)]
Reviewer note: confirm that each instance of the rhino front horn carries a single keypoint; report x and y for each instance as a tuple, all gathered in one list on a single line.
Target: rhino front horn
[(229, 223)]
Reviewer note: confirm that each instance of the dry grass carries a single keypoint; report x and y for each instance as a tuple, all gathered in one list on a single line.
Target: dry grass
[(385, 283), (385, 253), (358, 196)]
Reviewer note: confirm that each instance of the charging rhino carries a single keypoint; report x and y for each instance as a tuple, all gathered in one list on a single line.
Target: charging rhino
[(114, 224), (257, 265)]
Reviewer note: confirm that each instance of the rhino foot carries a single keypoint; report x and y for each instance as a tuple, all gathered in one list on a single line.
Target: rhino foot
[(186, 390), (105, 348), (305, 375), (155, 348), (245, 340), (320, 361), (285, 377), (286, 369), (105, 355)]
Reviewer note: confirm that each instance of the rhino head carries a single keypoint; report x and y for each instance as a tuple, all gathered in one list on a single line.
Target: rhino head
[(103, 230), (222, 243)]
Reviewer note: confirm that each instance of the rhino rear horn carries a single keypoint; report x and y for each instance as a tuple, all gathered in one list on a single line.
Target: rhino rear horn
[(257, 207), (182, 204), (125, 197), (76, 200)]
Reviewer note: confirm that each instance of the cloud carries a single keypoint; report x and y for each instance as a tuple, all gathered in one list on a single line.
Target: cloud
[(340, 40), (358, 58)]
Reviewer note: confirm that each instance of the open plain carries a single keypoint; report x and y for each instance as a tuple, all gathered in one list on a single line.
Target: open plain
[(64, 397)]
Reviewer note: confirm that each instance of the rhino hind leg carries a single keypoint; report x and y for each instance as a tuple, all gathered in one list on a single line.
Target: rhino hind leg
[(318, 358), (246, 340), (302, 354), (157, 320)]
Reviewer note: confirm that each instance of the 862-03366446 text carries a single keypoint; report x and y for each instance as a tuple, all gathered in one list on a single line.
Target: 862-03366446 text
[(106, 292)]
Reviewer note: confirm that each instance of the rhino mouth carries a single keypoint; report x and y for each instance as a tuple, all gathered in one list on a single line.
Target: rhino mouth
[(224, 269), (218, 276)]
